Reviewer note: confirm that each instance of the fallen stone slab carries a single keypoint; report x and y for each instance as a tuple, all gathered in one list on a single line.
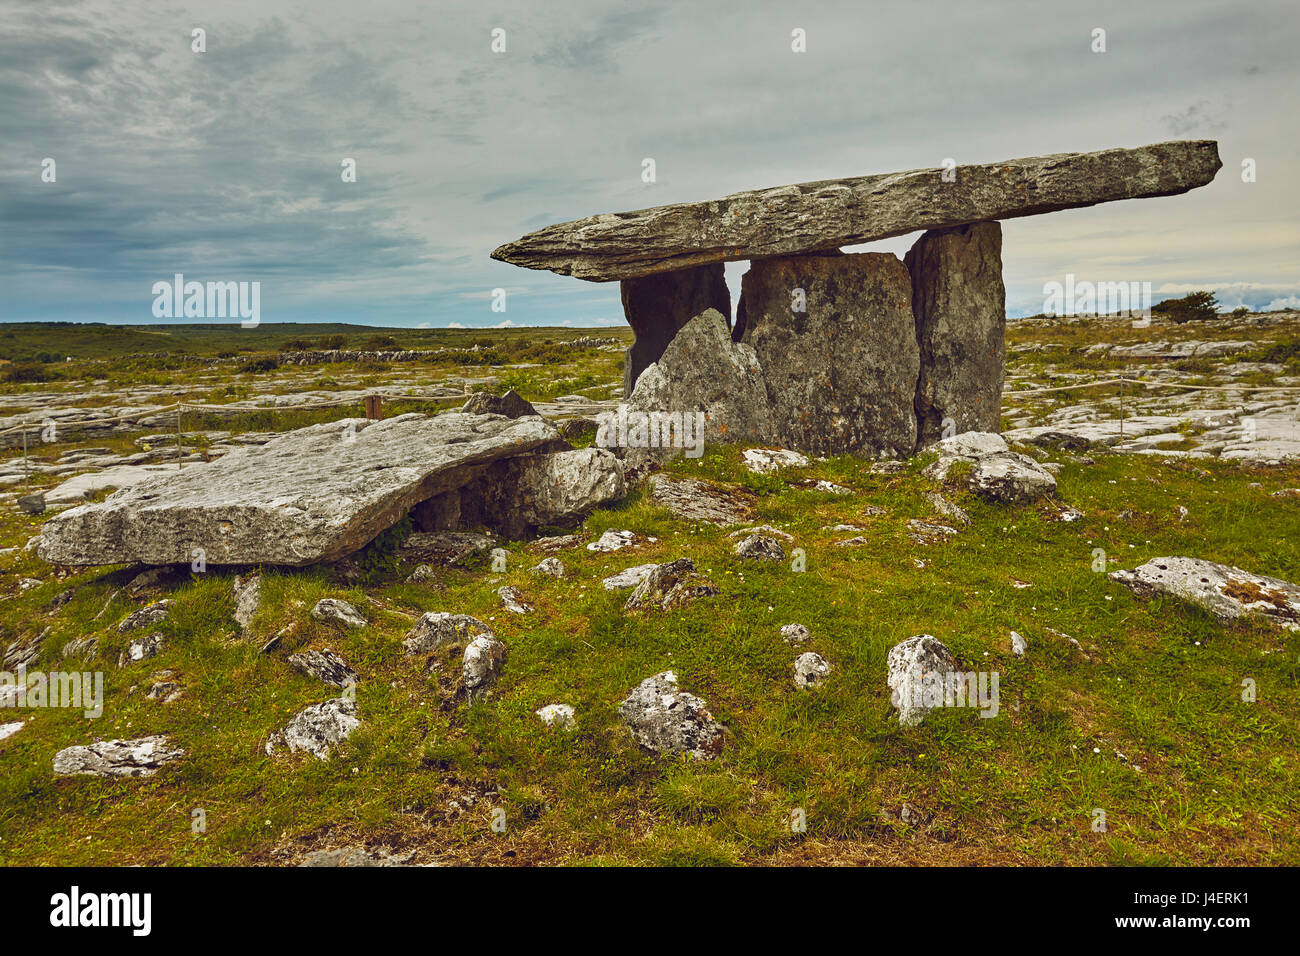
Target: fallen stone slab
[(140, 757), (809, 217), (311, 495), (511, 405), (1227, 592), (666, 720)]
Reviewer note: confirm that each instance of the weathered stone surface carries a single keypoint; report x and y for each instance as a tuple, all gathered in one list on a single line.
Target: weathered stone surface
[(1225, 591), (531, 491), (794, 633), (916, 666), (959, 303), (445, 547), (789, 220), (512, 600), (657, 306), (551, 567), (484, 658), (437, 628), (840, 375), (147, 616), (810, 670), (141, 649), (248, 597), (311, 495), (511, 405), (324, 665), (11, 728), (140, 757), (768, 461), (1011, 478), (317, 729), (701, 370), (560, 716), (670, 585), (759, 547), (334, 611), (627, 578), (698, 501), (666, 720)]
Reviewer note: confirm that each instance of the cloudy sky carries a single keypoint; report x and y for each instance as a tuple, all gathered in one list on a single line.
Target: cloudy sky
[(225, 165)]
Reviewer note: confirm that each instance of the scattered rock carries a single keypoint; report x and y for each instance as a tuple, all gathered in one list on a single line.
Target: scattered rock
[(248, 597), (767, 461), (1018, 645), (1011, 479), (334, 611), (666, 720), (166, 691), (437, 628), (759, 547), (628, 578), (923, 532), (669, 586), (81, 647), (484, 658), (551, 567), (32, 504), (148, 616), (354, 856), (324, 665), (947, 508), (511, 405), (794, 633), (8, 730), (698, 500), (317, 729), (140, 757), (1227, 592), (918, 668), (513, 601), (613, 541), (140, 649), (810, 670), (447, 548), (560, 716)]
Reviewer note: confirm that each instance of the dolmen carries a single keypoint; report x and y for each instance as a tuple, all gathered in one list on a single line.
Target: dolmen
[(848, 353)]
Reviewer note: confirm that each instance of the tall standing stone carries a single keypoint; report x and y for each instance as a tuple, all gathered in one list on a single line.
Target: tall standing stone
[(657, 306), (959, 303), (837, 344)]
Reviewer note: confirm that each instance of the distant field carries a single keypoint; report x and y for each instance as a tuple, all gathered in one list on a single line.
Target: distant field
[(54, 341)]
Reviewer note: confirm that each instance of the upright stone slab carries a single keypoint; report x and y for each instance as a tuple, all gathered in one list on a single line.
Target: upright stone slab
[(959, 303), (657, 306), (841, 374)]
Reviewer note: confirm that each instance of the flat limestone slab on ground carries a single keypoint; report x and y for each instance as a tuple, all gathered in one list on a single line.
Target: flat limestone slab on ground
[(310, 495), (809, 217)]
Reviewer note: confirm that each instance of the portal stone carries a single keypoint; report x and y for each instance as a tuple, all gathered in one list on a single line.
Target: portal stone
[(657, 306), (959, 303)]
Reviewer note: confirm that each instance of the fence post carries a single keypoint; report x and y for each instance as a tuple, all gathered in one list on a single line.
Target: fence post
[(374, 407)]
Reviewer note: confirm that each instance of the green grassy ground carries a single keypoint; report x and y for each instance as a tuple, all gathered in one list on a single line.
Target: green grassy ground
[(1146, 723)]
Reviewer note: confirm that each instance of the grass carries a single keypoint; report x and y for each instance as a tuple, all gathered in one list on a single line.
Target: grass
[(1150, 727)]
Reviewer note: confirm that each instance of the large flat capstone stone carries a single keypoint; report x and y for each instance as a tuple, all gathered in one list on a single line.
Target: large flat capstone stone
[(788, 220), (836, 341), (311, 495)]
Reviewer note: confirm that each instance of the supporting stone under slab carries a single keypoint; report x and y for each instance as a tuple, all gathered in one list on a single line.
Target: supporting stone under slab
[(657, 306), (959, 303), (840, 374)]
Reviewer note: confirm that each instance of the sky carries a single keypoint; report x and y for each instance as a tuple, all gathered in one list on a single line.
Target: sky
[(225, 165)]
